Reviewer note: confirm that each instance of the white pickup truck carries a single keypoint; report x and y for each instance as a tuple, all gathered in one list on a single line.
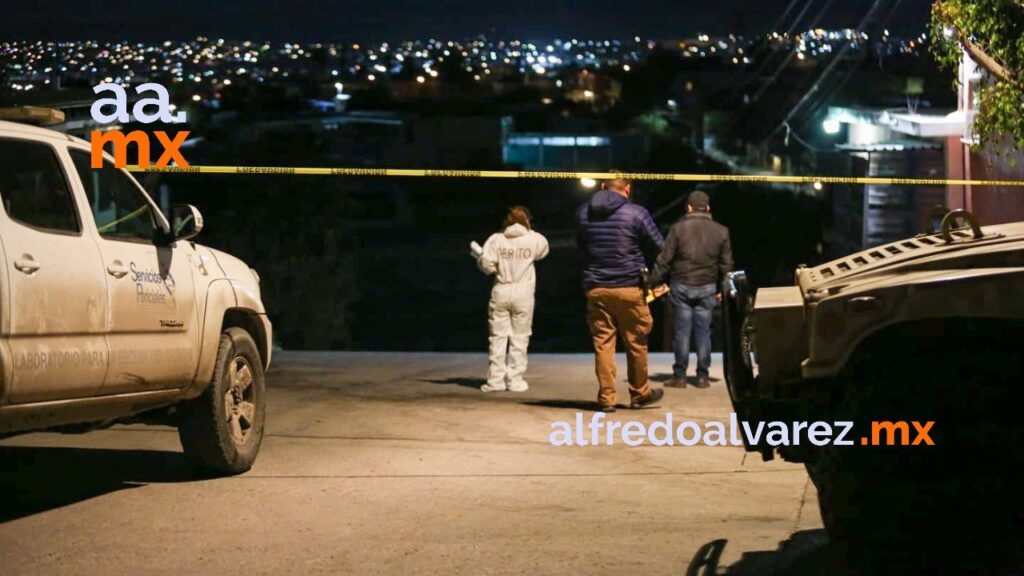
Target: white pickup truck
[(110, 313)]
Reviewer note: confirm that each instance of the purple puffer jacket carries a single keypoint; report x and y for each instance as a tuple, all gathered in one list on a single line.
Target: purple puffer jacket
[(614, 236)]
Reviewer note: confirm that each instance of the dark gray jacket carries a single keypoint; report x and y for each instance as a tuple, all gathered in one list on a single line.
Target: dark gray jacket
[(697, 252)]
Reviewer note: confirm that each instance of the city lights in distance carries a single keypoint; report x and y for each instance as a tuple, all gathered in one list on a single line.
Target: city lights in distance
[(203, 61)]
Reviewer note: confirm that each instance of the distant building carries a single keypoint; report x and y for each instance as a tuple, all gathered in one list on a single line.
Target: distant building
[(922, 145), (395, 139), (593, 89), (723, 48), (992, 161), (878, 145), (567, 151)]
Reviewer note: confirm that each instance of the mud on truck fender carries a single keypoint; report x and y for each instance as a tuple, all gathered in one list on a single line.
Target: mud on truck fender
[(228, 307)]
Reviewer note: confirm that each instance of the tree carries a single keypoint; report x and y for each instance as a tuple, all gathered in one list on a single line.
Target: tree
[(992, 33)]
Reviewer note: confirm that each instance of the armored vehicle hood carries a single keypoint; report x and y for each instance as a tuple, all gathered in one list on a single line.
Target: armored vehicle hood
[(920, 257)]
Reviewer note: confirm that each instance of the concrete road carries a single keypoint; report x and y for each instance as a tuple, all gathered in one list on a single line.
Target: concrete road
[(397, 464)]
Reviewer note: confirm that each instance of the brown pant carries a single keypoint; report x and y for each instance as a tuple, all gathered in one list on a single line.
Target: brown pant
[(609, 312)]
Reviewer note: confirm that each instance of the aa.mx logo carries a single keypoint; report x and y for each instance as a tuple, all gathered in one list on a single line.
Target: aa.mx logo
[(119, 140)]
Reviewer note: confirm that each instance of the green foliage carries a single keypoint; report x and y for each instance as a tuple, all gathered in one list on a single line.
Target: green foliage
[(653, 123), (996, 27)]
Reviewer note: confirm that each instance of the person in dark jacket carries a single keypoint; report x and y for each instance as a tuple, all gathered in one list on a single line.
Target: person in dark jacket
[(697, 256), (614, 236)]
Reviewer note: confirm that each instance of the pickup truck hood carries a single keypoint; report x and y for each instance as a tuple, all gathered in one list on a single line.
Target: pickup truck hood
[(921, 257)]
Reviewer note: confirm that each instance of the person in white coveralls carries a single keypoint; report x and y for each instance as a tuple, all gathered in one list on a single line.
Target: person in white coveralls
[(510, 255)]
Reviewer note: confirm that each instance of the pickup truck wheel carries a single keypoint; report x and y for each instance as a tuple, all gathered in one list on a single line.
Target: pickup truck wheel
[(924, 507), (221, 430)]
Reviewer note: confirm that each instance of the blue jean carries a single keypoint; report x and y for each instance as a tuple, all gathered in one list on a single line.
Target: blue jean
[(693, 306)]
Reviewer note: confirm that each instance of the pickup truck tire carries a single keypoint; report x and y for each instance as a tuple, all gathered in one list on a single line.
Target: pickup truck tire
[(221, 429), (924, 507)]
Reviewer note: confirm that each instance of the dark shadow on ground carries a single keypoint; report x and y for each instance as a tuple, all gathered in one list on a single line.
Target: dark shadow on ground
[(668, 376), (805, 553), (810, 553), (458, 381), (34, 480), (567, 404)]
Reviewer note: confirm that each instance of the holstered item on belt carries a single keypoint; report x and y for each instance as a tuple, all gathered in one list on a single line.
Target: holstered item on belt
[(651, 293)]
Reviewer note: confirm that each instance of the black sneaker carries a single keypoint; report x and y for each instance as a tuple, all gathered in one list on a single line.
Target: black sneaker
[(651, 398), (607, 409)]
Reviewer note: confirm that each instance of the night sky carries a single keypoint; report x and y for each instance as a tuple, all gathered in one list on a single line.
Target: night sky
[(376, 20)]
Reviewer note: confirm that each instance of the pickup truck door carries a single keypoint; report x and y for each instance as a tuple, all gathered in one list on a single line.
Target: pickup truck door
[(152, 332), (55, 309)]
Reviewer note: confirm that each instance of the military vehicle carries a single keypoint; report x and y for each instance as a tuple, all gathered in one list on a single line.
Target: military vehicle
[(110, 313), (923, 330)]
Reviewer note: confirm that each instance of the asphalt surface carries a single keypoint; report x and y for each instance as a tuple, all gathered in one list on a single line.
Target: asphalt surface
[(397, 464)]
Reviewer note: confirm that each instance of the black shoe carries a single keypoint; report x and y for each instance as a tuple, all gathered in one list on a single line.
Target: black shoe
[(651, 398), (676, 383), (702, 382), (607, 409)]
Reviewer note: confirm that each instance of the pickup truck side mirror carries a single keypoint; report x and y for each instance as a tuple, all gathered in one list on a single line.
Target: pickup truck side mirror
[(186, 222)]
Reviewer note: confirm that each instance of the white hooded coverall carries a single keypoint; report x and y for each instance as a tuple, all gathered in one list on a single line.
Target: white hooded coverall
[(510, 255)]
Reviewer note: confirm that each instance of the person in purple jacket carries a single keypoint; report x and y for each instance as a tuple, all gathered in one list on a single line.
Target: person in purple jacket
[(615, 237)]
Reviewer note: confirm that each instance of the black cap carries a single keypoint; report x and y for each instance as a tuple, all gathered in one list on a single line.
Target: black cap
[(698, 199)]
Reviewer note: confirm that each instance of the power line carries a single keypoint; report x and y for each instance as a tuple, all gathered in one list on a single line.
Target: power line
[(836, 60), (782, 66), (792, 54), (849, 73), (789, 31), (790, 133)]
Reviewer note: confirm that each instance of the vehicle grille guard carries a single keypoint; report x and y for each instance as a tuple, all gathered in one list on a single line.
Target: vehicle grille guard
[(739, 371)]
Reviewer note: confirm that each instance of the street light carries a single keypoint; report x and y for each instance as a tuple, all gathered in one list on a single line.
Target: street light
[(588, 182), (831, 126)]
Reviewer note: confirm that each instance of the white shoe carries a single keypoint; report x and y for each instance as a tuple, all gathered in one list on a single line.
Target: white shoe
[(520, 386), (492, 388)]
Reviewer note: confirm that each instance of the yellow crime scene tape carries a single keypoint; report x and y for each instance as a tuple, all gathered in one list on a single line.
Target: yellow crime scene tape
[(555, 175)]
